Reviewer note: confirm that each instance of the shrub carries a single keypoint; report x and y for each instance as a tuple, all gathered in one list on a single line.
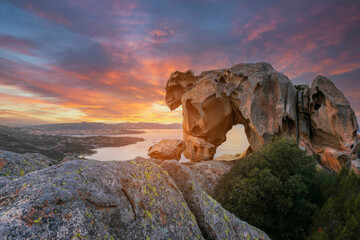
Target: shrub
[(301, 87), (322, 182), (339, 218), (270, 189)]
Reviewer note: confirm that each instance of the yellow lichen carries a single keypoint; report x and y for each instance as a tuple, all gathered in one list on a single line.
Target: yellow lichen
[(38, 220), (148, 214), (147, 175), (226, 217)]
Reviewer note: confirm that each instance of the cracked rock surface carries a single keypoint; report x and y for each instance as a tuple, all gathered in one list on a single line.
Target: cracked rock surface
[(138, 199)]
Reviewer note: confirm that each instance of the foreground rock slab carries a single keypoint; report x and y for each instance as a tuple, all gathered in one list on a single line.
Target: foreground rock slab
[(208, 173), (167, 149), (14, 165), (214, 221), (266, 102), (96, 200), (85, 199)]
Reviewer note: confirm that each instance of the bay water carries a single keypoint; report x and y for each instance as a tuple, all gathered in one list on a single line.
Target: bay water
[(236, 143)]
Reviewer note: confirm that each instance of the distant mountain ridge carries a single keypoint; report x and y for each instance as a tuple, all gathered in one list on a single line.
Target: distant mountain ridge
[(94, 125)]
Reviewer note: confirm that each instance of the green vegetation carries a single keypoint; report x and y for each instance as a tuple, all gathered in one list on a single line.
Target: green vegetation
[(301, 87), (271, 188), (339, 218), (279, 190)]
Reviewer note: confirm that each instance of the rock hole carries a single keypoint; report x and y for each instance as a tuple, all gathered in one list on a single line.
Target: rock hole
[(318, 99), (288, 126), (236, 142), (222, 80)]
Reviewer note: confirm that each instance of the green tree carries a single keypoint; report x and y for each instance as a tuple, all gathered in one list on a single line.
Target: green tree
[(301, 87), (270, 189), (322, 182), (339, 218)]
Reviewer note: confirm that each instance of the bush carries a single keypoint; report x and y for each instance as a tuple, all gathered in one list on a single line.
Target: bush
[(301, 87), (322, 182), (339, 218), (270, 189)]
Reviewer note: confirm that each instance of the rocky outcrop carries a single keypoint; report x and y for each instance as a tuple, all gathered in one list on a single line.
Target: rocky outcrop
[(214, 221), (333, 124), (96, 200), (14, 165), (86, 199), (167, 149), (208, 173), (267, 104)]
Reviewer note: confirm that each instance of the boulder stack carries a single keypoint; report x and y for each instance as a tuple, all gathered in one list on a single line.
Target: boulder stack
[(266, 102)]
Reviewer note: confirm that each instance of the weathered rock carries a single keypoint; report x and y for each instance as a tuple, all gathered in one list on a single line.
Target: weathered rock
[(198, 148), (87, 199), (255, 95), (208, 173), (267, 104), (179, 84), (214, 221), (355, 165), (72, 158), (96, 200), (333, 124), (167, 149), (4, 181), (13, 165)]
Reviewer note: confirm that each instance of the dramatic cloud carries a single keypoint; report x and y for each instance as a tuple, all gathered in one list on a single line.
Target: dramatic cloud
[(109, 60)]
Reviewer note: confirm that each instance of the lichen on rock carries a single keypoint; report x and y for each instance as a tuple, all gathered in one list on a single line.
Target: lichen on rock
[(137, 199), (96, 200)]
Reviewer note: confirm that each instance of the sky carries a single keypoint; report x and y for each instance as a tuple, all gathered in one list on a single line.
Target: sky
[(108, 61)]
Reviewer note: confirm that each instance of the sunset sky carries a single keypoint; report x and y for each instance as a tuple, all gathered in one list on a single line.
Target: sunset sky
[(108, 61)]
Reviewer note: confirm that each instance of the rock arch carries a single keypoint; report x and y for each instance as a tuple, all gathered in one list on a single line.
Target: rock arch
[(267, 104)]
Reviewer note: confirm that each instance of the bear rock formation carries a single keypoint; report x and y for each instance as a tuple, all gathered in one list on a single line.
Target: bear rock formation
[(266, 102)]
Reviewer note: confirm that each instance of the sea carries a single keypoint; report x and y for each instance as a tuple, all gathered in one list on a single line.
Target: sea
[(236, 143)]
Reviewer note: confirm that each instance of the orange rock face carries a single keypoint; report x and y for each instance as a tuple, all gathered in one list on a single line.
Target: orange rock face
[(267, 104), (167, 149)]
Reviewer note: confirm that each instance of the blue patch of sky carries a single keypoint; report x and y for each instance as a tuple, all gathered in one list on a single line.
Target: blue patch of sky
[(50, 40)]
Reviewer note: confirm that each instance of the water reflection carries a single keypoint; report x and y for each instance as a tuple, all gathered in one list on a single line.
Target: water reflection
[(236, 142)]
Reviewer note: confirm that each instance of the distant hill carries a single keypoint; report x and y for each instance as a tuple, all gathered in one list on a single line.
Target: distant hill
[(96, 126), (21, 140), (144, 125)]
